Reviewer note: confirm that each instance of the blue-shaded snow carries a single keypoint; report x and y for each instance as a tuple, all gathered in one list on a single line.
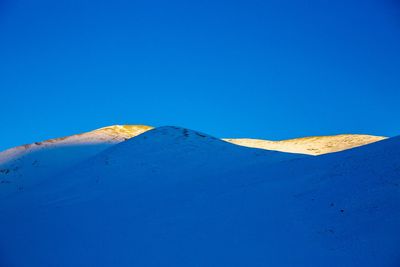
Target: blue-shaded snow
[(175, 197)]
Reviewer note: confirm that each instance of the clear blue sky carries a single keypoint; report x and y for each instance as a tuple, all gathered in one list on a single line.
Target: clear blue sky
[(266, 69)]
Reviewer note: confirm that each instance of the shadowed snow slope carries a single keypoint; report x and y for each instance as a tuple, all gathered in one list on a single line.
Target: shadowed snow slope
[(107, 135), (315, 145), (26, 165), (176, 197)]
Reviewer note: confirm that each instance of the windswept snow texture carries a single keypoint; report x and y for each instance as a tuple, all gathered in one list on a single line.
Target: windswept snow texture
[(176, 197)]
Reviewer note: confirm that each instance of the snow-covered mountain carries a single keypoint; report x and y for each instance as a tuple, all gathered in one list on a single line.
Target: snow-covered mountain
[(314, 145), (26, 165), (176, 197), (23, 166), (105, 136)]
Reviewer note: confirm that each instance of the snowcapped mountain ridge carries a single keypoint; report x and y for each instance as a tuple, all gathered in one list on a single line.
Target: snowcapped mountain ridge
[(104, 136), (23, 166), (314, 145), (46, 158), (177, 197), (110, 135)]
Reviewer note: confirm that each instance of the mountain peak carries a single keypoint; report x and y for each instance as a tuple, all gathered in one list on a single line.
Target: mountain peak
[(169, 137), (125, 131), (175, 131)]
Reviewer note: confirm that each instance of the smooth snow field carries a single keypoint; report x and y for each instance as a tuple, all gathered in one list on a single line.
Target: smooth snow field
[(170, 196)]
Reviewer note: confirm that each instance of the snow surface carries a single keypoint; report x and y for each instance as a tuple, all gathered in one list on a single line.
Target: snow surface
[(176, 197), (26, 165), (313, 145)]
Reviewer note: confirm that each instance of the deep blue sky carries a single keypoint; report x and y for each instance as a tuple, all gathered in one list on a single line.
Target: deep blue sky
[(266, 69)]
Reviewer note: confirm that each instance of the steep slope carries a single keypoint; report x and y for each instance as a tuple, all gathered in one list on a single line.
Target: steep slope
[(315, 145), (26, 165), (106, 135), (175, 197)]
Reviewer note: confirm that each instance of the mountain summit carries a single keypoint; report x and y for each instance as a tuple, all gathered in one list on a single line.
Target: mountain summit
[(177, 197), (26, 165)]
